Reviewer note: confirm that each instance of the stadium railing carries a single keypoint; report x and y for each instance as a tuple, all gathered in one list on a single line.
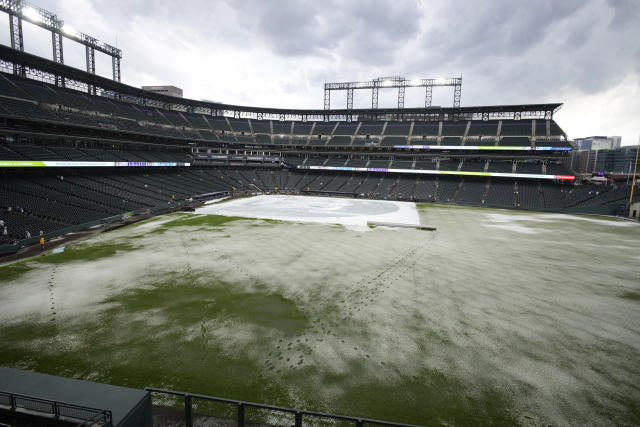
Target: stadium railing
[(12, 248), (19, 403), (241, 407)]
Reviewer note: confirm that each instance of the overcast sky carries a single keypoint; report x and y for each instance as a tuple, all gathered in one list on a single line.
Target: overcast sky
[(583, 53)]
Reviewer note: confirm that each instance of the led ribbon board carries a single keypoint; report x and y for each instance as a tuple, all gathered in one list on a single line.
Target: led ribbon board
[(480, 147), (437, 172), (62, 164)]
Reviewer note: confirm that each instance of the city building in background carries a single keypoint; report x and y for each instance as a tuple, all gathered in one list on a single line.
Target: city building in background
[(164, 90), (615, 161), (598, 142)]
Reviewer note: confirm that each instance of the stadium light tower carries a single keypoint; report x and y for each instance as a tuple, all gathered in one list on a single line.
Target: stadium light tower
[(19, 10), (394, 82)]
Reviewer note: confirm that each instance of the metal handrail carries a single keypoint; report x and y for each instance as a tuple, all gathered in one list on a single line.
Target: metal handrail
[(20, 402), (299, 413)]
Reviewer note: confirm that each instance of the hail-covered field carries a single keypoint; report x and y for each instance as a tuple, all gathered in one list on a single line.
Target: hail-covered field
[(498, 317)]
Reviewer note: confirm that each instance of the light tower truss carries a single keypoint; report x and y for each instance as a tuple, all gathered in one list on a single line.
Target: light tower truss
[(395, 82), (19, 10)]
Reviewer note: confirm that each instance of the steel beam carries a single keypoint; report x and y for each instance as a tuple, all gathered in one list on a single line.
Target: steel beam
[(15, 28), (392, 83), (17, 40), (91, 66), (327, 98), (401, 97), (428, 96), (115, 65), (91, 60), (58, 55), (457, 93)]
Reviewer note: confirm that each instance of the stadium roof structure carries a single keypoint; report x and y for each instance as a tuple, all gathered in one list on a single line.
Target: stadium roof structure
[(43, 69)]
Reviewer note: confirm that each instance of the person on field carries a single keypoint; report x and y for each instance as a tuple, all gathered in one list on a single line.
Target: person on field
[(42, 243)]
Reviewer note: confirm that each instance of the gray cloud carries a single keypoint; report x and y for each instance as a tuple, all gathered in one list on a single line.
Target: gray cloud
[(626, 12), (364, 31)]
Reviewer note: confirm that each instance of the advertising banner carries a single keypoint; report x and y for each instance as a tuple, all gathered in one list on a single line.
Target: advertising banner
[(439, 172)]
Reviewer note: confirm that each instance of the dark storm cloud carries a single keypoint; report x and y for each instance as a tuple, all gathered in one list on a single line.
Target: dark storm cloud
[(626, 13), (363, 30), (479, 31), (535, 49)]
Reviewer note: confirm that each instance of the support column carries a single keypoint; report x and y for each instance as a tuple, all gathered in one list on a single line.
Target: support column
[(428, 96), (115, 65), (17, 40), (401, 97), (349, 99), (91, 60), (91, 67), (58, 55), (457, 93)]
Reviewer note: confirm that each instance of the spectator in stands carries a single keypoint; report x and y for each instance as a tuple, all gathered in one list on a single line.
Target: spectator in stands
[(27, 234), (1, 223), (41, 232), (4, 231)]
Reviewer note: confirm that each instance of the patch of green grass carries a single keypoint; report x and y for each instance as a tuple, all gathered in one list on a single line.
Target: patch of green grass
[(207, 220), (190, 220), (86, 252), (271, 221), (129, 352), (187, 301), (137, 236), (426, 397), (633, 296), (13, 271)]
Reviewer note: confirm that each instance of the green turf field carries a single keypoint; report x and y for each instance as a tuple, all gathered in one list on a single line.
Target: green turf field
[(498, 318)]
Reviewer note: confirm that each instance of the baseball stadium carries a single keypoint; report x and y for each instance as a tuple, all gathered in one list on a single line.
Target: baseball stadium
[(174, 262)]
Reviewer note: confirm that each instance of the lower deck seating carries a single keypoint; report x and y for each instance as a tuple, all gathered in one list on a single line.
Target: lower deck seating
[(447, 187), (528, 195), (471, 191), (45, 200), (501, 194)]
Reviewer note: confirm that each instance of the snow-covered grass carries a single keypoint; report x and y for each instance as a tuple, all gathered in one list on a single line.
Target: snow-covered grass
[(477, 323)]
